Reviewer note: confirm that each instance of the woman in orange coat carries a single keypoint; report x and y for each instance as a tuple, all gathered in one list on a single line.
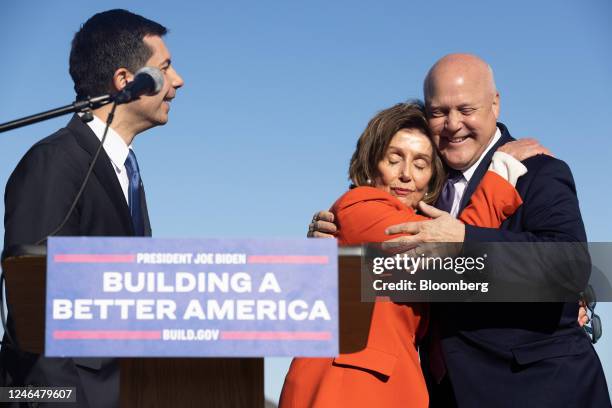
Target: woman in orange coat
[(393, 168)]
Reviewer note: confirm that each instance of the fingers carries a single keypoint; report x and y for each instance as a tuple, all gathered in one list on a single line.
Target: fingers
[(324, 216), (534, 148), (524, 148), (399, 245), (543, 150), (322, 225), (515, 144), (583, 317), (441, 249), (411, 228), (430, 210), (321, 229), (317, 234), (527, 141)]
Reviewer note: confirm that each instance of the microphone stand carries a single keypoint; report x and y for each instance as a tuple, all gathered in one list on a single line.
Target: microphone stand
[(84, 106)]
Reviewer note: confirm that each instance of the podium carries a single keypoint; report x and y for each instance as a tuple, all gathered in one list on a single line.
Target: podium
[(176, 382)]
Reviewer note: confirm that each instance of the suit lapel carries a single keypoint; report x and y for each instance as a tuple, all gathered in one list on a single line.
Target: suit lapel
[(484, 166), (103, 168)]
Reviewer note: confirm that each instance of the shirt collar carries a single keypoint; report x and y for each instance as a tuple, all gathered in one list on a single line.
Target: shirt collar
[(114, 145), (470, 172)]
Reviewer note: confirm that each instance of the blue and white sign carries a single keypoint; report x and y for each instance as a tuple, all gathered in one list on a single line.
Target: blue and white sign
[(138, 297)]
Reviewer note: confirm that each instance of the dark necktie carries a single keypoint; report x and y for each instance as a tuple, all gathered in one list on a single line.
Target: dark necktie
[(134, 196), (447, 196)]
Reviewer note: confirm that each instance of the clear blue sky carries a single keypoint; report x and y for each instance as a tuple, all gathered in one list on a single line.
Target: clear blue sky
[(277, 93)]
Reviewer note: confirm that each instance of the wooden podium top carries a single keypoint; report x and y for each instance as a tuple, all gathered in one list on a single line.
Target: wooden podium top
[(24, 270)]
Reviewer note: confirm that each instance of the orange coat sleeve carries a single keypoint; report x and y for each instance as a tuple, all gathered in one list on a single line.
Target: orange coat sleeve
[(364, 213), (494, 200)]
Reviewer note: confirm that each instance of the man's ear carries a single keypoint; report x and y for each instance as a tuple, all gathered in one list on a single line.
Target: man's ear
[(121, 78), (496, 105)]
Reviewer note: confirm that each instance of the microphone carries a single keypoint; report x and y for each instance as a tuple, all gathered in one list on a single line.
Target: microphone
[(147, 81)]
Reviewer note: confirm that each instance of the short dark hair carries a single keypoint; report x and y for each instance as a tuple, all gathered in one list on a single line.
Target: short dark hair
[(375, 139), (106, 42)]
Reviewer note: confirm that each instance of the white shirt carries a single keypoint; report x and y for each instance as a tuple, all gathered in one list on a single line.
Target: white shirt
[(116, 150), (461, 185)]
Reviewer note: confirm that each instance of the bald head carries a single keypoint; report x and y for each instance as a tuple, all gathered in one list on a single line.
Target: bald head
[(462, 105), (460, 69)]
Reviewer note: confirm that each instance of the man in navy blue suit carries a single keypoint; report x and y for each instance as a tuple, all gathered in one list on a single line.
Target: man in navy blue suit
[(503, 354), (499, 354)]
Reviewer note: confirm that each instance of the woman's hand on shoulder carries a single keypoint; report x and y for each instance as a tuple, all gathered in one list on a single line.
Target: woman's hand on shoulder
[(523, 149)]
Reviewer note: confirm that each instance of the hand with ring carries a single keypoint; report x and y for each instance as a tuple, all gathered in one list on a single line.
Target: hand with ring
[(322, 225)]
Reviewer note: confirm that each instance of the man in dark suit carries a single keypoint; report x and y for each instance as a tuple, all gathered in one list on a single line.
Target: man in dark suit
[(503, 354), (496, 354), (106, 52)]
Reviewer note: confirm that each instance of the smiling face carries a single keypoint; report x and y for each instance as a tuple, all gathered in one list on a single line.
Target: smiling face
[(150, 111), (406, 168), (462, 107)]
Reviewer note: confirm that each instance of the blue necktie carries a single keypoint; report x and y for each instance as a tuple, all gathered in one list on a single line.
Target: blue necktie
[(134, 201), (447, 196)]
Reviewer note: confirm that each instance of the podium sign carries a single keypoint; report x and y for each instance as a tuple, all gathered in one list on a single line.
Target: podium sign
[(148, 297)]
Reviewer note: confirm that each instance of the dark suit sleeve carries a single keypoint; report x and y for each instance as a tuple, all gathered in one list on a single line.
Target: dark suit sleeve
[(38, 195), (550, 251), (550, 206)]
